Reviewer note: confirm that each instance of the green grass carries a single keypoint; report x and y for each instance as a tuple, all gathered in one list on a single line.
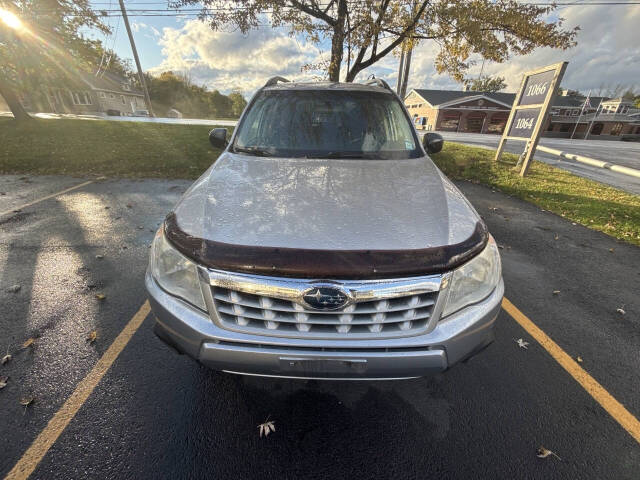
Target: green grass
[(578, 199), (146, 150), (101, 147)]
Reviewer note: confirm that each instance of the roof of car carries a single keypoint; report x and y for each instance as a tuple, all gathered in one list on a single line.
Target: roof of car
[(342, 86)]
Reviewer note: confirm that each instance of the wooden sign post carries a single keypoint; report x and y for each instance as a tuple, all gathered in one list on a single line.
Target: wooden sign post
[(529, 111)]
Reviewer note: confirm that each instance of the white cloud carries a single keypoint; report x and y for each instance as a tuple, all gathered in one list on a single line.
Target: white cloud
[(225, 61), (607, 54), (137, 26)]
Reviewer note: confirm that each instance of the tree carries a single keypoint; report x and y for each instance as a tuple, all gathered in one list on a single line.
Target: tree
[(237, 103), (485, 83), (41, 44), (368, 30)]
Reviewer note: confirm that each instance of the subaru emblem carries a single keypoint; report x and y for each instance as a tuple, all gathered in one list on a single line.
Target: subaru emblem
[(325, 298)]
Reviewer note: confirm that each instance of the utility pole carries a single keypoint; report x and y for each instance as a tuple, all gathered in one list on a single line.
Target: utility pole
[(400, 72), (407, 67), (135, 56)]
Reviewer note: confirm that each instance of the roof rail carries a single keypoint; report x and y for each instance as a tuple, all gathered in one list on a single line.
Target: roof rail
[(274, 80), (378, 82)]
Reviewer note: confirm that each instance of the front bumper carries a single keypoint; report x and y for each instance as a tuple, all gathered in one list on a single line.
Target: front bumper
[(192, 332)]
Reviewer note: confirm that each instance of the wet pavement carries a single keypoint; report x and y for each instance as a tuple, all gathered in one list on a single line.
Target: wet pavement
[(157, 414)]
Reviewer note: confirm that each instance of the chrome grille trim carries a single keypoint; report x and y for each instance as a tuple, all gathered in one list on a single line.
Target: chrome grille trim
[(273, 306)]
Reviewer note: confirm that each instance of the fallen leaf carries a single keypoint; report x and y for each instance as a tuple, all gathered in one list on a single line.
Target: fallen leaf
[(28, 342), (5, 359), (101, 296), (611, 250), (521, 343), (501, 247), (99, 257), (545, 452), (620, 311), (556, 292), (267, 427), (14, 288), (579, 359), (129, 205), (92, 336), (25, 402), (556, 237), (3, 382)]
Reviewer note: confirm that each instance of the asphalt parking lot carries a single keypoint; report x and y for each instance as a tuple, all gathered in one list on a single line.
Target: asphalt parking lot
[(156, 414)]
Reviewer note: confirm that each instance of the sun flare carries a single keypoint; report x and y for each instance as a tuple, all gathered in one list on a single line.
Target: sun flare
[(10, 19)]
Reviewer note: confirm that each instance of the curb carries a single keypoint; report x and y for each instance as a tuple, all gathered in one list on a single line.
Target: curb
[(591, 161)]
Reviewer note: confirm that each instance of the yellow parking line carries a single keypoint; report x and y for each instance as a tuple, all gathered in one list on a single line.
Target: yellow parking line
[(47, 197), (41, 445), (593, 388), (45, 440)]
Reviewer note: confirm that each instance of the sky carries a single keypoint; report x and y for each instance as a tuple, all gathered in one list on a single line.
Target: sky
[(607, 54)]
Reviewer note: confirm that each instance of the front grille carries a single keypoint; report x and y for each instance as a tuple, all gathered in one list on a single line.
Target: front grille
[(267, 315)]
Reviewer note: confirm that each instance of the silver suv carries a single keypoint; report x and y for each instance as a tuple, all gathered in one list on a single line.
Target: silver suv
[(324, 243)]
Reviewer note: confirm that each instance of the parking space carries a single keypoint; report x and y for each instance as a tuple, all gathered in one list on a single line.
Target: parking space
[(156, 414)]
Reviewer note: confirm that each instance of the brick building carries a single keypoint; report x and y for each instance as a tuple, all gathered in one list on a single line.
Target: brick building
[(456, 111), (487, 112)]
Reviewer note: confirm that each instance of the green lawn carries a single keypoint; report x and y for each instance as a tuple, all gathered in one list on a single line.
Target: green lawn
[(144, 150), (102, 147), (578, 199)]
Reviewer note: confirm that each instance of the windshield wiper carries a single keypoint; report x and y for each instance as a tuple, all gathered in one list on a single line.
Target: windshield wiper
[(342, 155), (256, 151)]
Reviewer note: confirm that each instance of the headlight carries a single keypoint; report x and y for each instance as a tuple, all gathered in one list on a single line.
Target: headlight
[(174, 272), (475, 280)]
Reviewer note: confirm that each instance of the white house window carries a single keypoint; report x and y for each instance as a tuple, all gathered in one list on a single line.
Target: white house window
[(574, 113), (102, 95), (81, 98), (112, 96), (555, 111), (123, 100)]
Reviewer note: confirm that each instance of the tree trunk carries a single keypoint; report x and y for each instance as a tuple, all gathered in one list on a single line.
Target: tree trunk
[(355, 70), (337, 42), (19, 113)]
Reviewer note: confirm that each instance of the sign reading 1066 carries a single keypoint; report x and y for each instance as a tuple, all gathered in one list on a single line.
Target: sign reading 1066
[(536, 88)]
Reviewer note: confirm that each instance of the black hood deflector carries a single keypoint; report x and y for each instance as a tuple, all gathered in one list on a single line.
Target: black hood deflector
[(325, 264)]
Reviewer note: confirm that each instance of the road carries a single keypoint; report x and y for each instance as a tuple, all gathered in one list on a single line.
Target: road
[(619, 153), (177, 121), (156, 414)]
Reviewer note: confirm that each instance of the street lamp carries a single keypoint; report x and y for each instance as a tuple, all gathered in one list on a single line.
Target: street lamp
[(10, 19)]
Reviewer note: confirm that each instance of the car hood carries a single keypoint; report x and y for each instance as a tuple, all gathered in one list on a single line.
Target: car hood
[(331, 218), (326, 204)]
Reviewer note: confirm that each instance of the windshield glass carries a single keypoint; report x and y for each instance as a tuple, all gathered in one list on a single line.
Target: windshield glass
[(326, 124)]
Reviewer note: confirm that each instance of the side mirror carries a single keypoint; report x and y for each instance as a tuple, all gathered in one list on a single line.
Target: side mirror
[(432, 142), (218, 137)]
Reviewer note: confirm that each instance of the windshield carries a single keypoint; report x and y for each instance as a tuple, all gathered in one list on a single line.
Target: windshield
[(326, 124)]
